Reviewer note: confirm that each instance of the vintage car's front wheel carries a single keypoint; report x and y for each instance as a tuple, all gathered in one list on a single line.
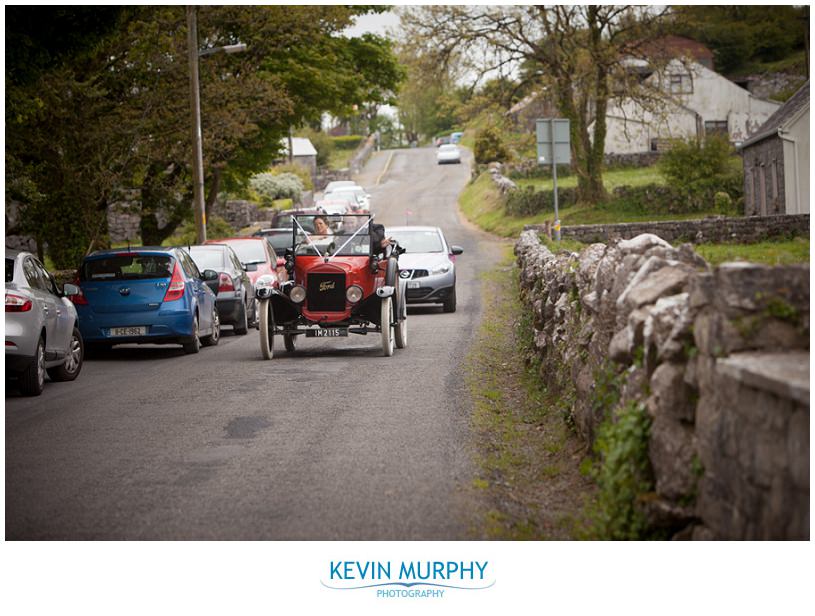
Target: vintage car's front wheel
[(385, 316), (266, 329), (400, 317)]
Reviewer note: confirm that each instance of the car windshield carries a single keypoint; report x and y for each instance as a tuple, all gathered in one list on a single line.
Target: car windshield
[(418, 241), (347, 235), (9, 270), (208, 258), (280, 240), (127, 267), (305, 221), (249, 251)]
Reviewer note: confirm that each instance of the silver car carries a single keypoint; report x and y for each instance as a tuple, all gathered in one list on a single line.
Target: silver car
[(448, 153), (41, 331), (428, 265)]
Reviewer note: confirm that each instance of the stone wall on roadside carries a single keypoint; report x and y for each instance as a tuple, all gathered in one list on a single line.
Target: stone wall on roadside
[(718, 357), (715, 229)]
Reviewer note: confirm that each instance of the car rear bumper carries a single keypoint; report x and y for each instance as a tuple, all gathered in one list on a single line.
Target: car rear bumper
[(161, 326)]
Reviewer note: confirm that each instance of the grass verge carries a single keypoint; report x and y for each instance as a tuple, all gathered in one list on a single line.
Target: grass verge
[(529, 479), (782, 252)]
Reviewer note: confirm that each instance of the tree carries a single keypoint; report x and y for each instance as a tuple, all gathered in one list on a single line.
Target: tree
[(106, 107), (581, 53)]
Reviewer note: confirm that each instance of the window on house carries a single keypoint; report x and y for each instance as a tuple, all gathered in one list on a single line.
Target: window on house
[(716, 127), (680, 83)]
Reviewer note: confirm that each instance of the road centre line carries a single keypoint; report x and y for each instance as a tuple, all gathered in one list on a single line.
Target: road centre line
[(385, 170)]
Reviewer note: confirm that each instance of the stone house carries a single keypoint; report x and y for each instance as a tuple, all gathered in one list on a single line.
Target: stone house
[(776, 161), (699, 102)]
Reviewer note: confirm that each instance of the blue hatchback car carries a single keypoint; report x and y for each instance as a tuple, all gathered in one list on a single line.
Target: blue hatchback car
[(146, 295)]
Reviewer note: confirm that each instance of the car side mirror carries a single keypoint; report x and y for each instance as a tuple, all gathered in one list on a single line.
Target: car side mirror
[(251, 267), (69, 289), (456, 250), (209, 274)]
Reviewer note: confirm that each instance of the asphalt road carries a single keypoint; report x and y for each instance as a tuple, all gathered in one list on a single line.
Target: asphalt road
[(334, 442)]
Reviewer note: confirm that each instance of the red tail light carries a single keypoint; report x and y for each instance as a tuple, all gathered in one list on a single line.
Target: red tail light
[(17, 303), (176, 288), (225, 283), (79, 299)]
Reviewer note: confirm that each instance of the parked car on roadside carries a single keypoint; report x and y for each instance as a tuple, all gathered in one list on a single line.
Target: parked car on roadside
[(449, 153), (234, 292), (278, 237), (146, 295), (428, 265), (338, 184), (356, 195), (42, 336), (255, 253)]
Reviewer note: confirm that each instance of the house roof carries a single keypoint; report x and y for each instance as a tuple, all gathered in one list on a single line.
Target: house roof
[(782, 116), (302, 146), (671, 46)]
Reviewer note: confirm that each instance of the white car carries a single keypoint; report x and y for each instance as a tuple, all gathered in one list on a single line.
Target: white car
[(339, 184), (448, 153), (354, 194)]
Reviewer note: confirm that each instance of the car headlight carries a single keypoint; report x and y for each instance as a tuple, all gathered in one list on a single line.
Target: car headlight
[(297, 294), (441, 269), (353, 294)]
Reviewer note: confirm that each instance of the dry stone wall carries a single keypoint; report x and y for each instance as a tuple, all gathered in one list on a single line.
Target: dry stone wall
[(718, 358)]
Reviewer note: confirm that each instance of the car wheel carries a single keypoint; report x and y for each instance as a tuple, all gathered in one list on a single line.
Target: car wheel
[(400, 318), (215, 336), (266, 329), (288, 341), (242, 324), (450, 303), (32, 379), (73, 362), (195, 344), (385, 315)]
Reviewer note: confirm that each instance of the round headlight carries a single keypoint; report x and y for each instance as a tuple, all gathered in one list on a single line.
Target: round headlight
[(265, 282), (353, 294), (297, 294)]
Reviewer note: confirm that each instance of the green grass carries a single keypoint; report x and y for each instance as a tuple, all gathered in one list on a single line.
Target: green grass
[(771, 253), (481, 204), (611, 179), (340, 159)]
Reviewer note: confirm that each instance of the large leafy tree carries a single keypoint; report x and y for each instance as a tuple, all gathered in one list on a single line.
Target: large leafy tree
[(113, 113), (580, 53)]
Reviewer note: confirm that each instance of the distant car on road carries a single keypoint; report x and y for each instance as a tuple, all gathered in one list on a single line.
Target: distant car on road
[(449, 153), (356, 195), (440, 141), (428, 265), (41, 326), (278, 237), (338, 184), (234, 292), (146, 295)]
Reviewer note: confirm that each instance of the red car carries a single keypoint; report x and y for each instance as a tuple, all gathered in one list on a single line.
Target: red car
[(256, 254), (340, 283)]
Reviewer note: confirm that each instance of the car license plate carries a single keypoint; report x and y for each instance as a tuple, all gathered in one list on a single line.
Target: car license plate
[(128, 331), (413, 284), (327, 332)]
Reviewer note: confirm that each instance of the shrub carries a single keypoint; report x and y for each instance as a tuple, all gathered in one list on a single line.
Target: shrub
[(692, 161), (294, 168), (347, 142), (489, 146), (528, 202), (268, 187), (185, 234)]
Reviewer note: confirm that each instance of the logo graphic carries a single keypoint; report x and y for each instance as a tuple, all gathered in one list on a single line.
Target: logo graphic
[(325, 286), (405, 274), (423, 579)]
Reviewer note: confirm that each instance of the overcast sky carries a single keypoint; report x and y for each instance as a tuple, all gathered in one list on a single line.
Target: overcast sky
[(375, 24)]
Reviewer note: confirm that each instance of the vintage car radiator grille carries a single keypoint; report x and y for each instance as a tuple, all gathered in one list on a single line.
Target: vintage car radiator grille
[(326, 292)]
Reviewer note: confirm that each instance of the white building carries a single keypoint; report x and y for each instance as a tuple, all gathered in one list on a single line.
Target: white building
[(699, 101)]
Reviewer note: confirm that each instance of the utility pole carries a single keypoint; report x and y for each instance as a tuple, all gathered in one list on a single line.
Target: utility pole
[(195, 104)]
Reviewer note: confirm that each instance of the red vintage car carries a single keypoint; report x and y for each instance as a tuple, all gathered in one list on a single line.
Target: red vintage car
[(344, 280)]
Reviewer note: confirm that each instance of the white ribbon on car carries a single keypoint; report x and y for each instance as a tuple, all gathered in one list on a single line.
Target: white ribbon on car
[(361, 227), (308, 237)]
